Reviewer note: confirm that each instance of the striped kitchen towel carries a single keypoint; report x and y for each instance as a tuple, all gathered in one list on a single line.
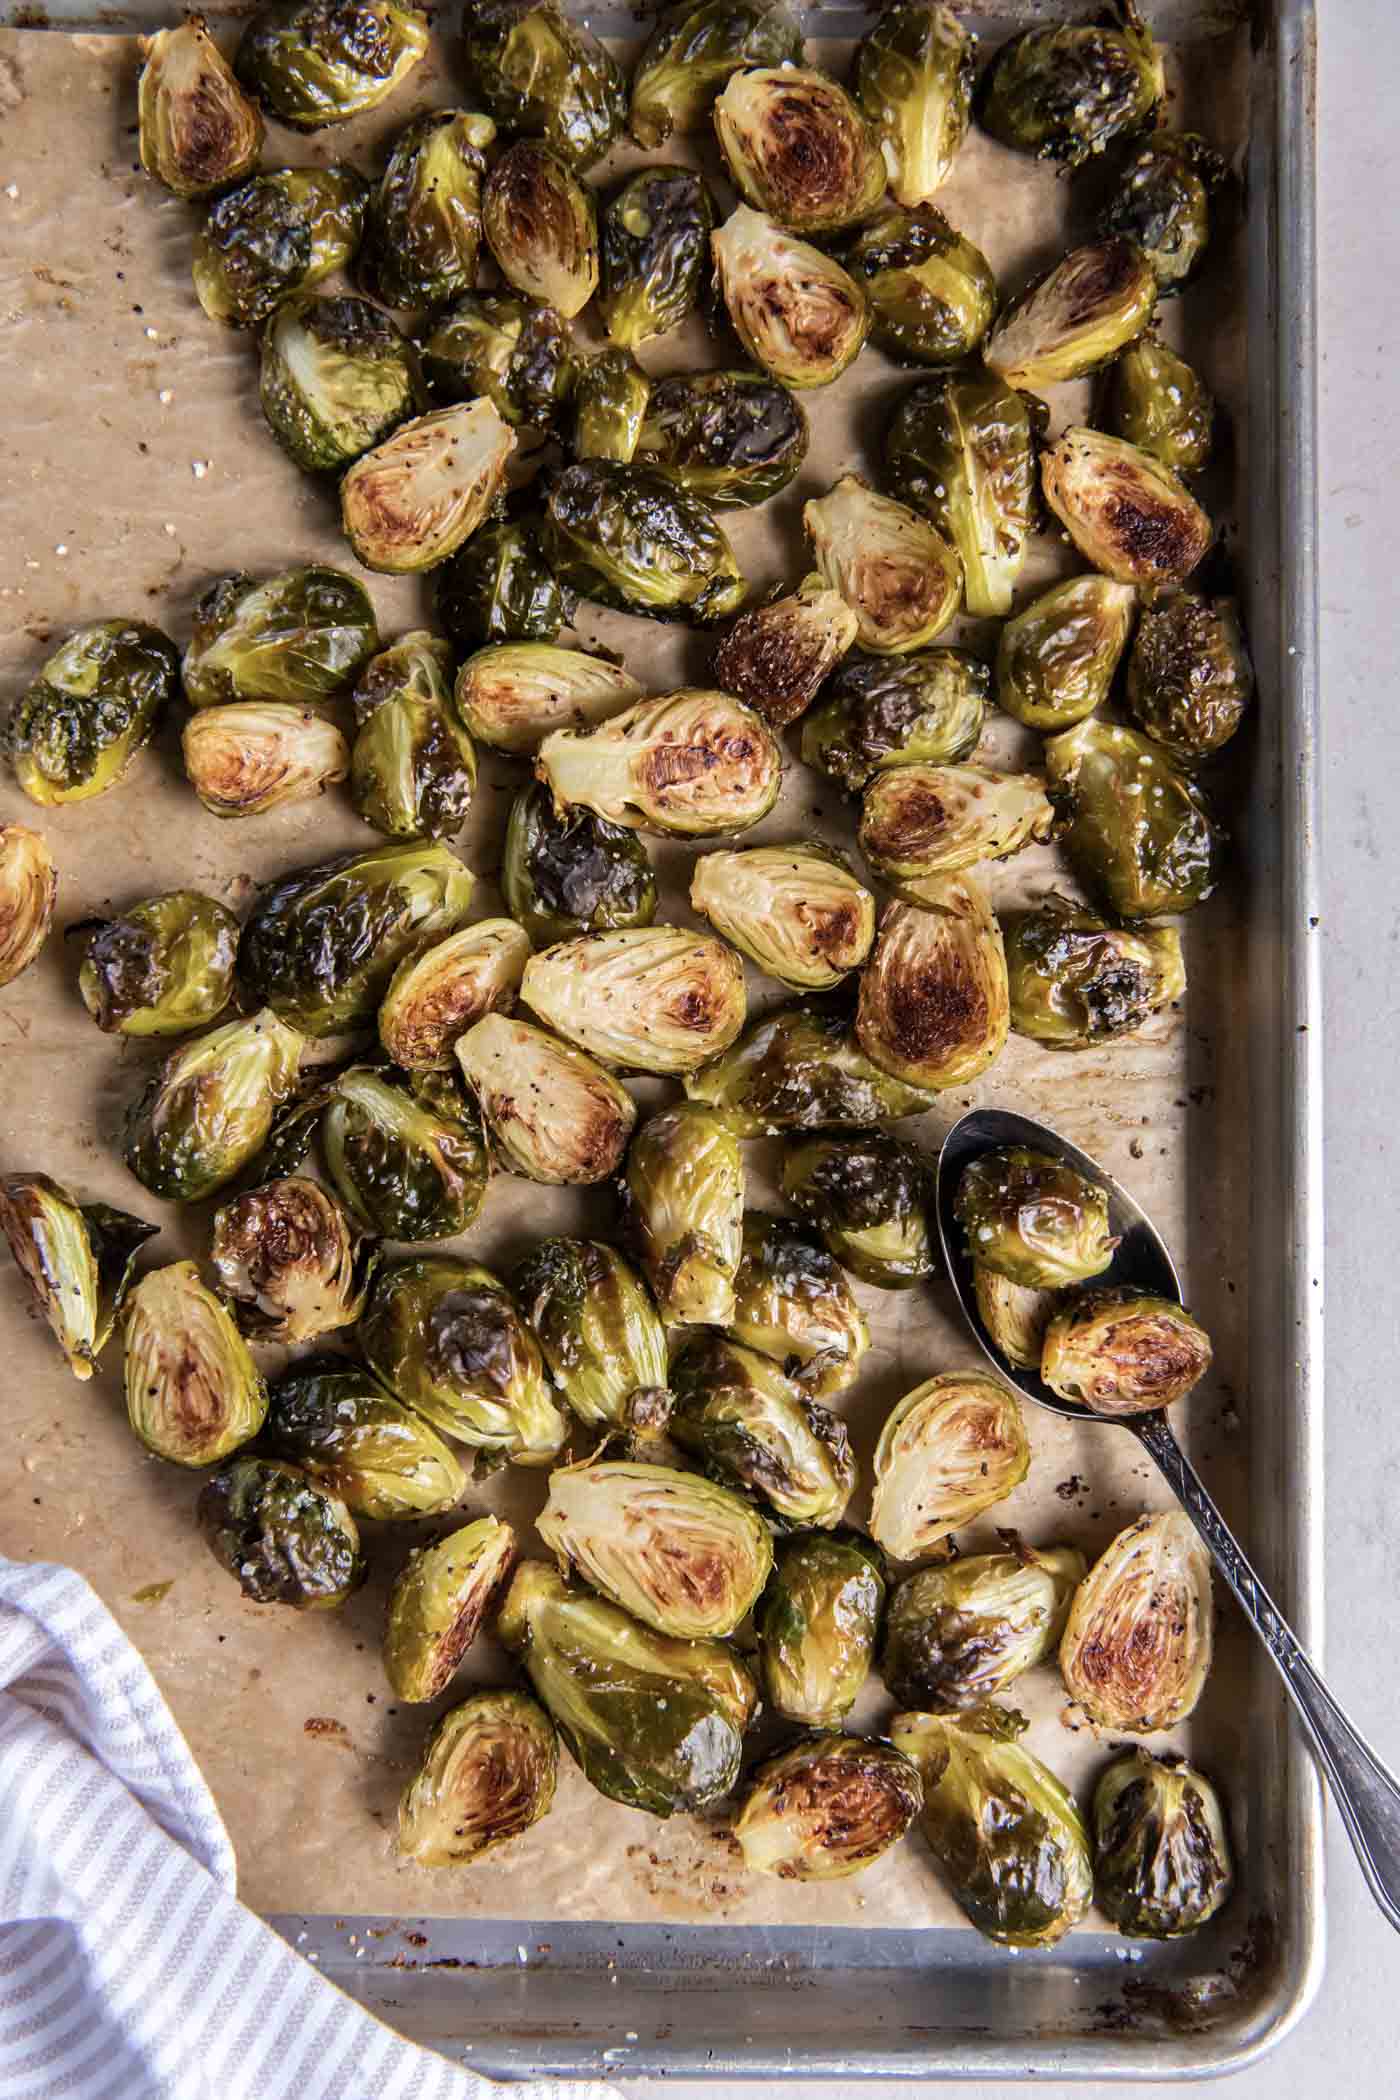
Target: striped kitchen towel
[(129, 1970)]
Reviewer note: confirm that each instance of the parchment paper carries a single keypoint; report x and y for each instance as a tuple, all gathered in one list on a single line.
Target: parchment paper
[(135, 468)]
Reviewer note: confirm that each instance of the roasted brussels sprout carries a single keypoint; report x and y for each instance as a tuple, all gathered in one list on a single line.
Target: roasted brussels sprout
[(900, 578), (193, 1392), (1076, 981), (77, 1261), (796, 911), (337, 377), (794, 309), (356, 1441), (413, 767), (949, 1450), (1033, 1218), (1189, 675), (683, 1199), (753, 1427), (829, 1806), (161, 968), (513, 695), (600, 1333), (1161, 405), (287, 1540), (799, 148), (487, 1775), (322, 945), (415, 499), (1005, 1832), (917, 821), (694, 49), (553, 1114), (1140, 834), (76, 729), (199, 131), (546, 75), (961, 451), (654, 249), (735, 438), (568, 872), (800, 1067), (520, 355), (290, 1262), (634, 540), (1163, 203), (411, 1162), (1057, 658), (792, 1302), (877, 711), (647, 998), (541, 227), (1128, 515), (611, 393), (816, 1624), (300, 637), (28, 891), (1162, 1864), (932, 294), (317, 62), (654, 1722), (423, 232), (434, 998), (438, 1605), (207, 1110), (1075, 318), (499, 588), (279, 232), (1014, 1315), (934, 1007), (870, 1196), (1136, 1650), (687, 764), (256, 755), (1123, 1352), (913, 78), (776, 656), (958, 1633), (1065, 92)]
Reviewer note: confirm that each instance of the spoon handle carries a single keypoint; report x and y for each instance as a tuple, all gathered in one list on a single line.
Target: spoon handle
[(1366, 1793)]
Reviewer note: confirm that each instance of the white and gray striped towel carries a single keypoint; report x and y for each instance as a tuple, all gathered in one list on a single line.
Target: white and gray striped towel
[(129, 1970)]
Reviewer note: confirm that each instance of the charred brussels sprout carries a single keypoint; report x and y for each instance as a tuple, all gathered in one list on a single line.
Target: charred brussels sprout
[(870, 1197), (337, 377), (611, 394), (1034, 1219), (1162, 1864), (792, 1302), (958, 1634), (287, 1540), (410, 1162), (1067, 92), (1122, 1352), (439, 1602), (829, 1806), (1163, 203), (794, 309), (290, 1262), (1137, 1648), (654, 249), (518, 354), (487, 1775), (796, 911), (799, 148), (161, 968), (633, 540), (918, 821), (1076, 981), (952, 1448), (694, 49), (654, 1722), (568, 872), (817, 1623), (754, 1428), (599, 1331), (1128, 515), (1161, 405), (256, 755), (413, 768), (962, 452), (208, 1109), (193, 1392), (1056, 660), (28, 891), (1189, 675), (1077, 317), (415, 499), (77, 1261), (934, 1007), (686, 765), (512, 695), (75, 731), (776, 656), (279, 232), (649, 998), (356, 1441), (545, 75), (553, 1114), (300, 637), (1140, 835), (683, 1199), (199, 131), (1014, 1315), (932, 294), (424, 226), (900, 578), (878, 711), (913, 78), (542, 229), (735, 438), (801, 1068), (434, 998), (1005, 1832), (318, 62), (499, 588)]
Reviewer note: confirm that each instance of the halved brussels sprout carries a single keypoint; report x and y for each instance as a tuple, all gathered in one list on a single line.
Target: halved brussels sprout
[(800, 1067), (634, 540), (1128, 515), (287, 1540), (958, 1633), (611, 393), (870, 1196), (1189, 675), (683, 1198), (541, 227), (653, 1722), (1014, 1315), (336, 378), (355, 1440), (796, 911), (567, 872), (688, 765), (413, 768), (410, 1162), (1075, 318), (423, 232), (414, 499), (799, 148), (1007, 1835), (1162, 1864), (880, 711), (438, 1605), (900, 578), (434, 998), (553, 1114), (1140, 834), (256, 755), (290, 1262), (28, 891), (487, 1775), (776, 656), (199, 131), (793, 1303), (829, 1806), (76, 729), (77, 1261), (322, 945), (1034, 1218), (1057, 658), (601, 1336), (499, 588), (1159, 403), (519, 354), (193, 1392), (932, 293), (1076, 981), (1066, 92), (512, 696), (794, 309), (962, 452), (1137, 1649), (654, 248), (694, 49), (300, 637), (1163, 203), (934, 1007), (546, 75), (913, 78), (1123, 1352), (950, 1449), (735, 438), (817, 1622), (161, 968), (755, 1428), (318, 62), (917, 821), (678, 1552), (281, 231), (648, 998), (207, 1110)]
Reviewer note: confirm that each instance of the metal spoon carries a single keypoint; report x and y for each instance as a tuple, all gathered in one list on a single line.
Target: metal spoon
[(1367, 1794)]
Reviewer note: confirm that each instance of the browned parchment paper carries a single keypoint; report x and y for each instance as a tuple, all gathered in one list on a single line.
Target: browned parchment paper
[(134, 467)]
